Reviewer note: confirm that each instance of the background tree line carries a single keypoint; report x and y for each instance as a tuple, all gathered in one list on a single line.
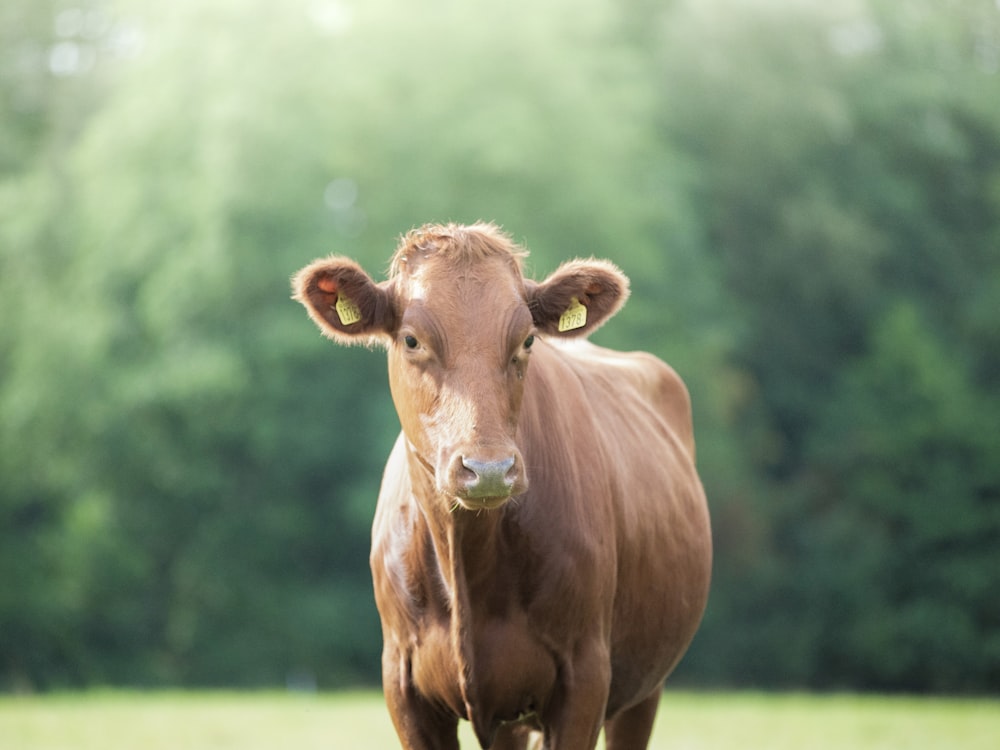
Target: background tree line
[(805, 195)]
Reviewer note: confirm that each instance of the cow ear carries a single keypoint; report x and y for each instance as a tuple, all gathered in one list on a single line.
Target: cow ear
[(345, 303), (577, 298)]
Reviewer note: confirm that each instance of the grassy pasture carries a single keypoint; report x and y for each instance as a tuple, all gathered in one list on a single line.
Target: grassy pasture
[(687, 721)]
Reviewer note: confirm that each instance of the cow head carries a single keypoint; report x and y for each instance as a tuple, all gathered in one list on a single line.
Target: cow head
[(459, 321)]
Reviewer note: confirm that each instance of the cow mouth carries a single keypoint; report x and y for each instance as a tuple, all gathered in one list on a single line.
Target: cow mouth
[(481, 503)]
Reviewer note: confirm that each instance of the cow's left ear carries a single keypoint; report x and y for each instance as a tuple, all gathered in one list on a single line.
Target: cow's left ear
[(345, 303), (577, 298)]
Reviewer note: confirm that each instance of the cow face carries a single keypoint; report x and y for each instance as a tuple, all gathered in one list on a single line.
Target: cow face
[(459, 322)]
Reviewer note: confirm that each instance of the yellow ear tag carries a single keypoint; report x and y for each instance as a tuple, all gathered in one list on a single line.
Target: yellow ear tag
[(574, 317), (347, 311)]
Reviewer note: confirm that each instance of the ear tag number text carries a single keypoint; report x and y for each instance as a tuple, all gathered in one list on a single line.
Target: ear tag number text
[(347, 311), (574, 317)]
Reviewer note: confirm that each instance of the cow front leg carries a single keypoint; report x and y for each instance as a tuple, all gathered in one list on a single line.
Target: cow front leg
[(573, 720), (631, 729), (419, 725)]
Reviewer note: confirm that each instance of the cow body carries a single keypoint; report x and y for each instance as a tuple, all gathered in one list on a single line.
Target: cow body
[(541, 546)]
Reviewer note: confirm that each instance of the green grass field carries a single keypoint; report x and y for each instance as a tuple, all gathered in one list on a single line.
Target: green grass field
[(687, 721)]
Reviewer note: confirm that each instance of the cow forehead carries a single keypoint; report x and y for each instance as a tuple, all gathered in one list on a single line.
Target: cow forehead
[(467, 279), (481, 292)]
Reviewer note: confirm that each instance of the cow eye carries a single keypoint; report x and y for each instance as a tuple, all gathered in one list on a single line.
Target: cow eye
[(411, 342), (529, 341)]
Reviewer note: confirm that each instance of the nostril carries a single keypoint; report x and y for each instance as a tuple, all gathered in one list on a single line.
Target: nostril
[(467, 474)]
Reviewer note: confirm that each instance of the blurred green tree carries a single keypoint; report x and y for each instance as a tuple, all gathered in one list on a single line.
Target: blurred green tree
[(849, 157), (805, 197)]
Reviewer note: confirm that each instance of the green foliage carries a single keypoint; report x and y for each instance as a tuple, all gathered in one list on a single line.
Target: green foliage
[(849, 185), (805, 197)]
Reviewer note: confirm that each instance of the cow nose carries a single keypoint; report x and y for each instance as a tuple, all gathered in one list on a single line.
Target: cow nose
[(490, 478)]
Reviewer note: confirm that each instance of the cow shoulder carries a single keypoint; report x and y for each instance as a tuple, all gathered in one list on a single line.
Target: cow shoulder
[(643, 375)]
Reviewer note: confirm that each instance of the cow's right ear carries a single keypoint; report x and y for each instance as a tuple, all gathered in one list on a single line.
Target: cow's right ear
[(345, 303)]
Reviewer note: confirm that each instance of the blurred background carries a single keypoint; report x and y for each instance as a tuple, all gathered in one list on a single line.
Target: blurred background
[(806, 196)]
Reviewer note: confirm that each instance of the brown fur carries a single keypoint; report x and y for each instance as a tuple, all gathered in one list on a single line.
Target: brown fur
[(561, 602), (461, 245)]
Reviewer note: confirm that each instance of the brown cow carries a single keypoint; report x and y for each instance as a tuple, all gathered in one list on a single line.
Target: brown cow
[(541, 547)]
